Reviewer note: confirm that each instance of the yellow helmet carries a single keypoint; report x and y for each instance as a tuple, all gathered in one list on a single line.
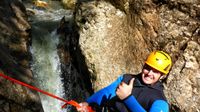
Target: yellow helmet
[(160, 60)]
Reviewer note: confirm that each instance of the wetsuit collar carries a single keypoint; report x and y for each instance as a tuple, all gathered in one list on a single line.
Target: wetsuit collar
[(139, 83)]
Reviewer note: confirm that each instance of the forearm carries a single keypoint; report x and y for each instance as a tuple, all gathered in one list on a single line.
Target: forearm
[(133, 105), (157, 106)]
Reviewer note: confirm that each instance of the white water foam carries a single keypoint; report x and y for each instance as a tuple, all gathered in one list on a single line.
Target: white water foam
[(46, 70)]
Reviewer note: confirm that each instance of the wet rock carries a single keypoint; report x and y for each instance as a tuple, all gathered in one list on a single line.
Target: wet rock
[(14, 59), (69, 4)]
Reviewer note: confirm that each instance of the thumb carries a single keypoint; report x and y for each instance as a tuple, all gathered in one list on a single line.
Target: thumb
[(131, 81)]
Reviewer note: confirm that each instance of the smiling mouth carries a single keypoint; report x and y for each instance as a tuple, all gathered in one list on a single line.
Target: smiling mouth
[(148, 78)]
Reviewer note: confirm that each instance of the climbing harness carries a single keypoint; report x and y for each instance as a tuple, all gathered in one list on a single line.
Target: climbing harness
[(71, 102)]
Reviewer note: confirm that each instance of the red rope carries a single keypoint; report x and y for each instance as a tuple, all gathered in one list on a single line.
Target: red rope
[(71, 102)]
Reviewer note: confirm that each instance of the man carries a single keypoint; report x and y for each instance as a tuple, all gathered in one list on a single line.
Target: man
[(135, 93)]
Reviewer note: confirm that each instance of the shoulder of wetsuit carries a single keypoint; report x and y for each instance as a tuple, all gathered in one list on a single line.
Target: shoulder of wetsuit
[(128, 77)]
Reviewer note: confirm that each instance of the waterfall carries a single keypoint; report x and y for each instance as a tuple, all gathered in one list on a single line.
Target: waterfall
[(45, 60), (46, 69)]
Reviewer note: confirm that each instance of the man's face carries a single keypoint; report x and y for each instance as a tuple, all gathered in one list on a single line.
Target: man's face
[(150, 75)]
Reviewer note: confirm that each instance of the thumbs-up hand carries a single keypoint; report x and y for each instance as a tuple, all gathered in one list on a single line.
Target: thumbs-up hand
[(124, 90)]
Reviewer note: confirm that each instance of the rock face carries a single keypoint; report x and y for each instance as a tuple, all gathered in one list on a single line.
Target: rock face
[(117, 35), (14, 59), (106, 42)]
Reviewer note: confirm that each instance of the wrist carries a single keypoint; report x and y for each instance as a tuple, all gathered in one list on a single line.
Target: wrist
[(127, 97)]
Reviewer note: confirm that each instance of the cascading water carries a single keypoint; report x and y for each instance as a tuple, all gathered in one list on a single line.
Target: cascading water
[(46, 65), (46, 70)]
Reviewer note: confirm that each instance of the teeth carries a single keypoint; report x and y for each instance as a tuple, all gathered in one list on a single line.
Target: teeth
[(148, 78)]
